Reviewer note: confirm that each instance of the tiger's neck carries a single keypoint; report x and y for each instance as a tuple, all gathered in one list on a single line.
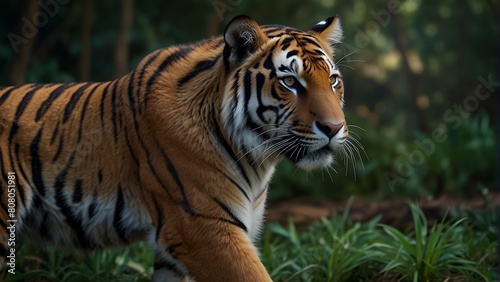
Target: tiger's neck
[(184, 116)]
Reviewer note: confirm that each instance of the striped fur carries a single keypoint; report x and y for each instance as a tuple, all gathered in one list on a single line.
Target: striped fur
[(178, 153)]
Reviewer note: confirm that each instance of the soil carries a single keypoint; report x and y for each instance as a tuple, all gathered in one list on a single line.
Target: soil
[(305, 210)]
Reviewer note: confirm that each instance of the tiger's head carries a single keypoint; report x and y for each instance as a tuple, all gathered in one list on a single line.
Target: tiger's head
[(284, 95)]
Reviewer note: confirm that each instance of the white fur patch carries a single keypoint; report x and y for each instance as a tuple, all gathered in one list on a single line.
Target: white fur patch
[(336, 34)]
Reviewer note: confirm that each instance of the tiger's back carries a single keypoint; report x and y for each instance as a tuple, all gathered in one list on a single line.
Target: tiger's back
[(178, 153)]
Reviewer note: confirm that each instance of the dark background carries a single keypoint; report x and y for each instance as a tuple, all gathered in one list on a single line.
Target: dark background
[(416, 76)]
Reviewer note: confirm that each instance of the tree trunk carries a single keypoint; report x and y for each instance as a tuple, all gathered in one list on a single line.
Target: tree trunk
[(84, 73), (21, 62), (121, 54), (44, 48), (413, 85)]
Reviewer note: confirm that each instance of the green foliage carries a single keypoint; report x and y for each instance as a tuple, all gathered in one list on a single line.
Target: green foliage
[(339, 250), (460, 162), (333, 250), (481, 235), (131, 264), (427, 255)]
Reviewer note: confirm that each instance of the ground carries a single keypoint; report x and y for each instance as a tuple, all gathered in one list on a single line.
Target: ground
[(306, 210)]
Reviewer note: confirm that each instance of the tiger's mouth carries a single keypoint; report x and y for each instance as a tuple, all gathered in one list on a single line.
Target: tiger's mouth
[(310, 160)]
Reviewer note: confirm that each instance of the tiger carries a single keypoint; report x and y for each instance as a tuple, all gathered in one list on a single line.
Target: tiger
[(178, 153)]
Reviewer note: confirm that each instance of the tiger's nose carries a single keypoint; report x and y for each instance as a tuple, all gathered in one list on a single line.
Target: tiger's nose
[(329, 129)]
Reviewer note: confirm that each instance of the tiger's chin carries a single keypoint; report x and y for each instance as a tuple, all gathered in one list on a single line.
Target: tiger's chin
[(315, 160)]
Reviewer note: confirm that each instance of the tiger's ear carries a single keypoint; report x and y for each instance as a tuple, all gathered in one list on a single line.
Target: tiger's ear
[(243, 37), (330, 30)]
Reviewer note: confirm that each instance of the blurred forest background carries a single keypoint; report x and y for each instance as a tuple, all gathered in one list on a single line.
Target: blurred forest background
[(422, 78)]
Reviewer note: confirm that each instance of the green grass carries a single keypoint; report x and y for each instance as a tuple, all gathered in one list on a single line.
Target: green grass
[(427, 255), (461, 248)]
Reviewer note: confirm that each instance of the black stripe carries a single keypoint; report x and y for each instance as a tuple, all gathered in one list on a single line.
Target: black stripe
[(77, 191), (261, 109), (61, 177), (171, 248), (292, 53), (152, 168), (185, 204), (3, 251), (113, 111), (84, 111), (3, 204), (121, 112), (235, 184), (284, 68), (99, 176), (3, 225), (130, 92), (286, 43), (319, 53), (118, 217), (133, 108), (229, 150), (44, 226), (3, 171), (37, 203), (274, 93), (273, 28), (103, 98), (129, 145), (200, 67), (310, 41), (59, 148), (25, 101), (141, 75), (160, 218), (286, 114), (54, 134), (247, 89), (52, 97), (71, 219), (6, 95), (172, 58), (268, 63), (158, 179), (237, 221), (75, 97), (13, 131), (93, 206), (20, 189), (36, 164)]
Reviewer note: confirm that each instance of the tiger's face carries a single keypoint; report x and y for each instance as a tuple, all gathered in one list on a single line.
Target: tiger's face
[(292, 95)]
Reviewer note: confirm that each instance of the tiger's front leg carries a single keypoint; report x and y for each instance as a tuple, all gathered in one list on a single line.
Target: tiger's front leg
[(206, 250), (166, 268)]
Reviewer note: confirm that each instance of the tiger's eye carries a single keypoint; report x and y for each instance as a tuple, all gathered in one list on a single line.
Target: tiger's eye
[(289, 81), (333, 80)]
